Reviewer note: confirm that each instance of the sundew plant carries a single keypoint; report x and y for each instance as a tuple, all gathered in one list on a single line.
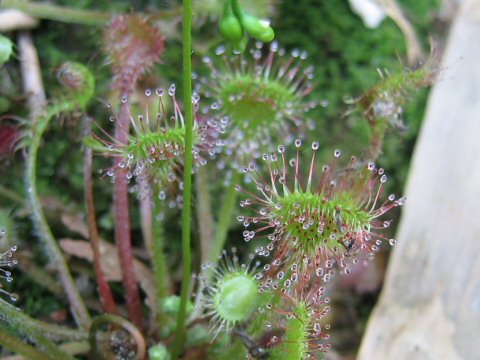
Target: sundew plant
[(195, 204)]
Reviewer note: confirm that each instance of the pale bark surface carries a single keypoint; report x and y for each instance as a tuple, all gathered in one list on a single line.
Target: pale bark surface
[(430, 305)]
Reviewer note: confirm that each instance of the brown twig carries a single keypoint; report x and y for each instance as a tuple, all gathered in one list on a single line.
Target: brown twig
[(31, 74), (394, 11), (11, 19)]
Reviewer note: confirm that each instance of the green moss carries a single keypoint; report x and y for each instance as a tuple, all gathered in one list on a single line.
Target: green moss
[(346, 55)]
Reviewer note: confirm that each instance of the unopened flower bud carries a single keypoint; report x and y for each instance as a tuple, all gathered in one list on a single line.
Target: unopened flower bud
[(267, 36), (231, 28), (258, 29)]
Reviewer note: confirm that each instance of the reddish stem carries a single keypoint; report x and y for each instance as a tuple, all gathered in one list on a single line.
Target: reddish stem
[(106, 296), (122, 226)]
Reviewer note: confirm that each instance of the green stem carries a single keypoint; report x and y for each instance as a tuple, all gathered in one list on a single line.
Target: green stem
[(159, 259), (18, 321), (236, 9), (64, 14), (154, 238), (225, 218), (215, 248), (187, 192), (58, 13), (154, 235), (379, 127), (78, 307), (56, 332), (160, 267), (116, 320), (73, 348), (12, 196), (204, 212), (76, 348), (19, 347)]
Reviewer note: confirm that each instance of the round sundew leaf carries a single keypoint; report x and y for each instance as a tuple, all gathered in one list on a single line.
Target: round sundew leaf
[(261, 105), (318, 224), (326, 217), (263, 95), (236, 297)]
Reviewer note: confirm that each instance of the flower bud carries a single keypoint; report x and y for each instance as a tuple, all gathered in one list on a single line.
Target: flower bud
[(267, 36), (258, 29), (231, 28), (231, 295)]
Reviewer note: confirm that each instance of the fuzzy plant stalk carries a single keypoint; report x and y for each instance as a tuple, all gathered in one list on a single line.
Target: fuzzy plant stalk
[(16, 345), (58, 333), (122, 226), (154, 155), (78, 80), (57, 13), (146, 218), (21, 323), (106, 296), (133, 46), (187, 190)]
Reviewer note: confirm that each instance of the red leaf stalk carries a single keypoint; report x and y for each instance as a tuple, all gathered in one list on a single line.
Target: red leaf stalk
[(122, 226), (106, 296), (133, 47)]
